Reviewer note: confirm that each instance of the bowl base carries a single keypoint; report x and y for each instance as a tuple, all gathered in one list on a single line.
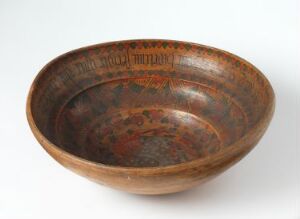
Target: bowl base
[(133, 137)]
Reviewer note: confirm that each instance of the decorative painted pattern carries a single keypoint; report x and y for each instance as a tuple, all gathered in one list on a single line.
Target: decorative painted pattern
[(131, 82)]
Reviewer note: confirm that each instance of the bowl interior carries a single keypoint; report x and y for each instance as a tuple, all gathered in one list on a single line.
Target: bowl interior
[(148, 103)]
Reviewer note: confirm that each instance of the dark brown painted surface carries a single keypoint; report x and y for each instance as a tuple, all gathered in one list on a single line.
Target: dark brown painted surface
[(149, 116)]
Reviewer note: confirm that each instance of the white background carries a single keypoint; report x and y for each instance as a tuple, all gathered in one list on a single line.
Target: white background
[(265, 184)]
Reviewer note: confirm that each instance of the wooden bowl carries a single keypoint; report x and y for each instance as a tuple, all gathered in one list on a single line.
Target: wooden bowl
[(149, 116)]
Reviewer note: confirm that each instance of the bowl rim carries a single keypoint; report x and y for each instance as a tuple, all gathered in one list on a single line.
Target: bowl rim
[(230, 149)]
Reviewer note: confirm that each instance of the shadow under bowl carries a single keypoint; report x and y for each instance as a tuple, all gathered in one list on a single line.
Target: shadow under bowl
[(149, 116)]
